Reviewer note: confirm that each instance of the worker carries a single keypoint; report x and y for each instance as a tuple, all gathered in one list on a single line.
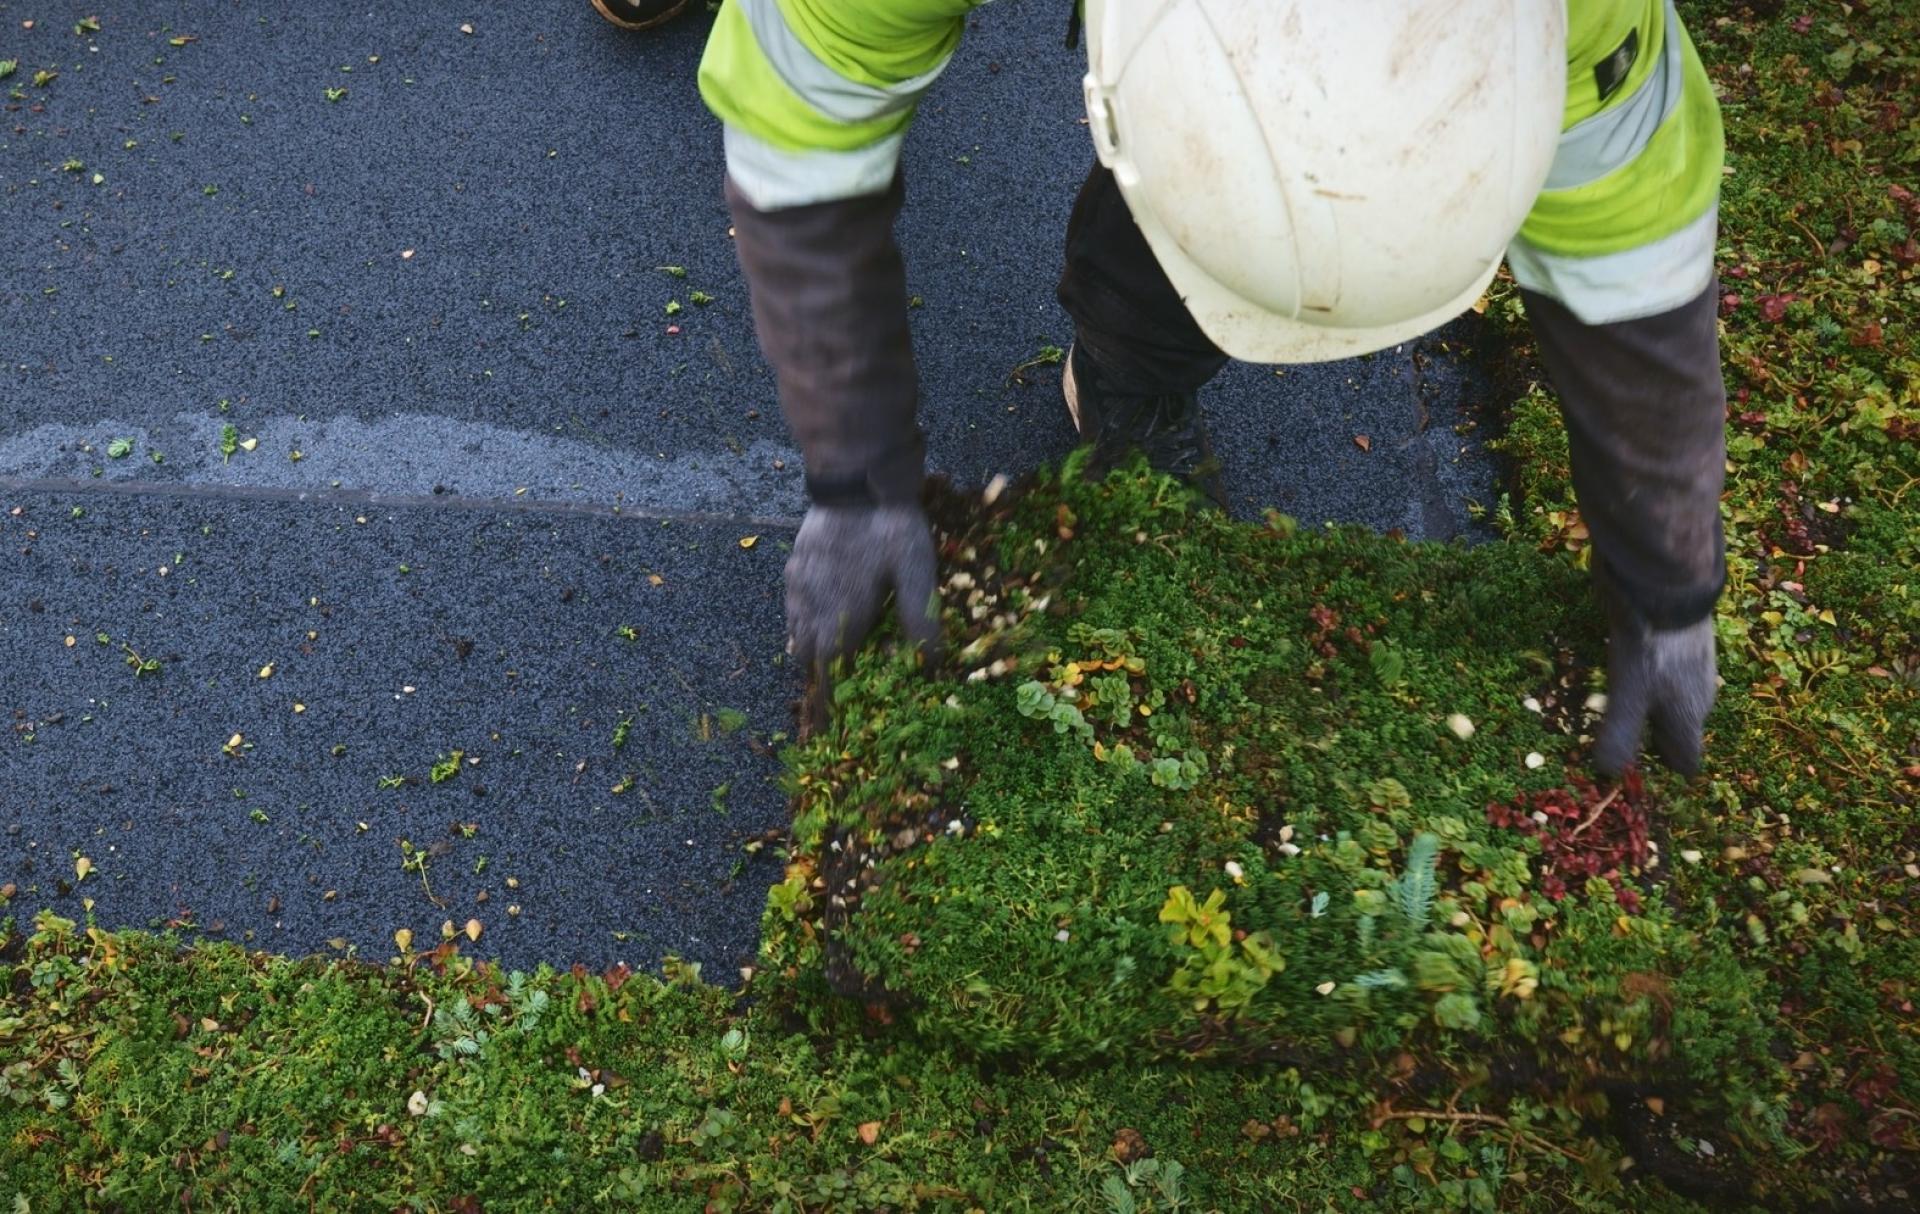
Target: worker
[(1278, 181)]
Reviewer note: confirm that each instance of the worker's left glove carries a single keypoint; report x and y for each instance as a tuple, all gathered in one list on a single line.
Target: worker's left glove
[(845, 561), (1666, 676)]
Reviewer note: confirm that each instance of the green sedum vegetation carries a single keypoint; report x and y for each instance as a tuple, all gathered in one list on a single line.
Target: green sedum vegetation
[(1225, 867)]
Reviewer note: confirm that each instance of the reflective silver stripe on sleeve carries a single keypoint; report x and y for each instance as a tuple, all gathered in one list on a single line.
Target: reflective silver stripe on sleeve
[(1654, 278), (821, 87), (773, 178), (1594, 147)]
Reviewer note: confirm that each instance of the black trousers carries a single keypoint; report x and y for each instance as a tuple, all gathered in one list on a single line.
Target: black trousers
[(1643, 402)]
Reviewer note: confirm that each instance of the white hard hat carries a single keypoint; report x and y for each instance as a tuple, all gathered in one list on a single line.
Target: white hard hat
[(1325, 178)]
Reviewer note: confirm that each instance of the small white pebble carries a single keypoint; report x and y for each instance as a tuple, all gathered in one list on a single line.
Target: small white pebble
[(952, 764), (1597, 702), (995, 488), (1289, 850), (977, 676), (1325, 988), (1706, 1148), (998, 668), (1286, 834), (1691, 855), (1535, 760), (1166, 828), (1234, 870), (1913, 870), (417, 1104), (407, 690), (961, 580), (1539, 817), (1063, 935), (597, 1088), (1459, 919), (1461, 726), (953, 701), (1531, 705), (956, 827)]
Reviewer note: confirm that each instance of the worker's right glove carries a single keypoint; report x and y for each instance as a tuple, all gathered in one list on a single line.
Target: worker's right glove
[(1663, 675), (845, 561)]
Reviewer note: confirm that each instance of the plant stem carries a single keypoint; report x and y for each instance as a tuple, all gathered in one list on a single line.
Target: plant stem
[(1595, 815)]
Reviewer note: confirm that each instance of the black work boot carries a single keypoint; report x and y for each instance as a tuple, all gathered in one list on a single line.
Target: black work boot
[(1166, 428), (639, 14)]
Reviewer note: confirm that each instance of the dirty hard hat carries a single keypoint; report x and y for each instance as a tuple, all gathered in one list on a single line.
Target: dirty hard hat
[(1321, 180)]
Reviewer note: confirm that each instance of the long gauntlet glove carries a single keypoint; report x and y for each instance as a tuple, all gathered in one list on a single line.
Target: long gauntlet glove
[(829, 304)]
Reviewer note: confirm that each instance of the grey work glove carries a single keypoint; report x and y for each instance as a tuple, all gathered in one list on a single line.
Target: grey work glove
[(1663, 675), (845, 561)]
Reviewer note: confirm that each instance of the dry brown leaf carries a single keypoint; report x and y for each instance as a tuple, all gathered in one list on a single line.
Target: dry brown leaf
[(1130, 1145)]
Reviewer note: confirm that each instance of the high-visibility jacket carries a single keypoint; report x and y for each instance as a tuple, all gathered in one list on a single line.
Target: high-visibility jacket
[(817, 95)]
